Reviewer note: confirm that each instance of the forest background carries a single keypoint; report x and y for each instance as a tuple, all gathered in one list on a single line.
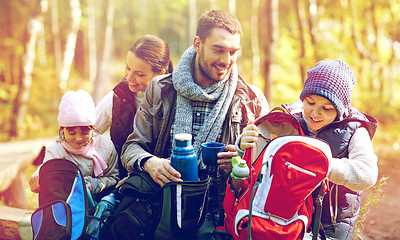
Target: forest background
[(48, 47)]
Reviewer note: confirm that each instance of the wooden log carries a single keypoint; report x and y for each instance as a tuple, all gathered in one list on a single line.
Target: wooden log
[(14, 158), (9, 219)]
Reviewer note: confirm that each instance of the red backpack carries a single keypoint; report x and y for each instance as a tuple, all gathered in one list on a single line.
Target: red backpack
[(285, 168)]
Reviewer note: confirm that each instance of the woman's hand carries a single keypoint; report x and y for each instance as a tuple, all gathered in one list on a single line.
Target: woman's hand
[(161, 171), (249, 137), (122, 181)]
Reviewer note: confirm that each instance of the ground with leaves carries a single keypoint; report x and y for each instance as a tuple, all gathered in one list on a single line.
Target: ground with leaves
[(383, 221)]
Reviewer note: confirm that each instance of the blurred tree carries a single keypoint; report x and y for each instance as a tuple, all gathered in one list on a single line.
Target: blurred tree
[(311, 13), (192, 18), (69, 52), (91, 29), (232, 6), (103, 73), (300, 19), (55, 30), (269, 34), (255, 39), (24, 79)]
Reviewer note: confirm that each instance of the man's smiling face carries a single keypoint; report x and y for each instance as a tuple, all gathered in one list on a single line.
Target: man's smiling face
[(216, 55)]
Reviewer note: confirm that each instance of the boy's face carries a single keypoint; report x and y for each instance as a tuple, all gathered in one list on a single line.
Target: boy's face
[(78, 137), (216, 54), (318, 111)]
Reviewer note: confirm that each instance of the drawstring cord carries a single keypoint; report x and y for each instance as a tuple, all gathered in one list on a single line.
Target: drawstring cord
[(333, 213)]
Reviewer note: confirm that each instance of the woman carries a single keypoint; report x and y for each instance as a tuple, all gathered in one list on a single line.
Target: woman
[(147, 58)]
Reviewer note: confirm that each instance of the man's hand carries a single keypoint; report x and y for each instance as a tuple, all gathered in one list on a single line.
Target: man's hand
[(225, 157), (161, 171)]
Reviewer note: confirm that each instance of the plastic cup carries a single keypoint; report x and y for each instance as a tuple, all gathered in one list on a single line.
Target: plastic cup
[(209, 151)]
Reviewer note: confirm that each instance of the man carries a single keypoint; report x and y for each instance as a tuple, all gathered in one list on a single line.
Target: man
[(204, 96)]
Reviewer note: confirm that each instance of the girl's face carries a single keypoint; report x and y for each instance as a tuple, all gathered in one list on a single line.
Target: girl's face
[(318, 111), (138, 73), (78, 137)]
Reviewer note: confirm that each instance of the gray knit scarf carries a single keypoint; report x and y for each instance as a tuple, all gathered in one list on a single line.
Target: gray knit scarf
[(188, 91)]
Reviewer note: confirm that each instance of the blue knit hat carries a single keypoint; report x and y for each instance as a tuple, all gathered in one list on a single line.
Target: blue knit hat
[(334, 81)]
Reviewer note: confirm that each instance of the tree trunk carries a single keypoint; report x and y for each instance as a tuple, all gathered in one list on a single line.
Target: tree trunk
[(70, 45), (254, 40), (144, 7), (35, 25), (232, 6), (101, 86), (41, 45), (312, 9), (213, 4), (268, 34), (91, 12), (56, 37), (302, 54), (364, 53), (192, 20)]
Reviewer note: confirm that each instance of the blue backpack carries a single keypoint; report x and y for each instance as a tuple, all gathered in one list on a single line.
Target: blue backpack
[(63, 202)]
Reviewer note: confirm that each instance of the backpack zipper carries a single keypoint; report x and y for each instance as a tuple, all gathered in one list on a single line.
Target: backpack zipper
[(291, 165)]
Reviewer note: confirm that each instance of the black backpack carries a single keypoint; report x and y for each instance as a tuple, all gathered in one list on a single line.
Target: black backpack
[(147, 211), (63, 202)]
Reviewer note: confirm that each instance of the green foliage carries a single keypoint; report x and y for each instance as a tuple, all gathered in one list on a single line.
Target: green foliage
[(373, 198)]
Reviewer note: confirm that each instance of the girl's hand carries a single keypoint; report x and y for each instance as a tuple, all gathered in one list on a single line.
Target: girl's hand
[(88, 184), (249, 137), (34, 182)]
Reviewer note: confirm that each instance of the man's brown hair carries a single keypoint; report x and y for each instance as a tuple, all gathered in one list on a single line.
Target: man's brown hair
[(217, 19)]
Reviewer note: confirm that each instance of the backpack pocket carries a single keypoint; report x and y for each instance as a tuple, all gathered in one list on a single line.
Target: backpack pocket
[(52, 221), (184, 209), (135, 222)]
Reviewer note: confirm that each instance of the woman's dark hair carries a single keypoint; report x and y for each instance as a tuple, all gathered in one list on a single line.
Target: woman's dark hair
[(155, 51)]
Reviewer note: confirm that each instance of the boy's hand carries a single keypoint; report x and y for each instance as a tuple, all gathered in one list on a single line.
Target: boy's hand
[(249, 137)]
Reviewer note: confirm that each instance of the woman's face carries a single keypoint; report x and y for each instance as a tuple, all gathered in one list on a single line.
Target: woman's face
[(318, 111), (138, 73), (78, 137)]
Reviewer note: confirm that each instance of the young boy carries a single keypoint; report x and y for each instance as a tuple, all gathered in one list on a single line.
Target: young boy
[(325, 112)]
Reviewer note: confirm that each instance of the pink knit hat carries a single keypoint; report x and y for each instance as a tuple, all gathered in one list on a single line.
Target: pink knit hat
[(76, 109)]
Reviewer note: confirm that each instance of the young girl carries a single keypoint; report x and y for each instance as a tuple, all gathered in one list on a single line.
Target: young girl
[(325, 112), (79, 143)]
